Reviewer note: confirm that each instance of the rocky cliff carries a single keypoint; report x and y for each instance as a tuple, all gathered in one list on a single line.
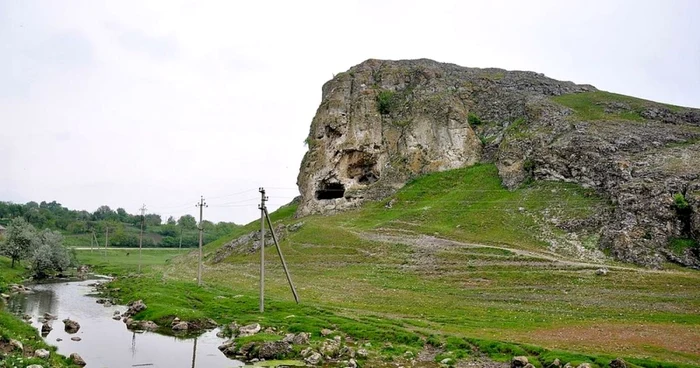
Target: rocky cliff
[(383, 122)]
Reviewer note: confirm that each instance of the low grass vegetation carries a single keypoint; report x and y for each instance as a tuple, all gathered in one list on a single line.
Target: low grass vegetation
[(456, 262), (601, 105)]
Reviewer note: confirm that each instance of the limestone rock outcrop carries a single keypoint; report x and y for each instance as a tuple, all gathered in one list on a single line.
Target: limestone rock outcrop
[(382, 123)]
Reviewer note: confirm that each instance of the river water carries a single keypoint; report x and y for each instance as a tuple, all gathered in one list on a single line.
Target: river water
[(108, 343)]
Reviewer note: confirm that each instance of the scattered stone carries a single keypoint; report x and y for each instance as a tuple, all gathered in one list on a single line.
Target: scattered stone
[(349, 352), (75, 338), (220, 334), (34, 366), (16, 344), (326, 332), (71, 326), (4, 296), (46, 328), (529, 365), (556, 363), (135, 307), (584, 365), (273, 349), (362, 353), (618, 363), (330, 348), (181, 326), (314, 359), (518, 362), (446, 361), (49, 316), (295, 227), (302, 338), (249, 330), (306, 352), (77, 360), (288, 338), (116, 313), (175, 321), (601, 271), (101, 301), (59, 339), (26, 317), (141, 325), (108, 304), (116, 317), (352, 363)]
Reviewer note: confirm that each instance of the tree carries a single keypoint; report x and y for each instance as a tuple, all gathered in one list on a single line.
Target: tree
[(153, 220), (171, 221), (20, 238), (187, 222), (50, 255)]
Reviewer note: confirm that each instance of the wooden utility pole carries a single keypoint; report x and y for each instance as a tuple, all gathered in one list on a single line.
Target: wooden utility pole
[(279, 251), (201, 206), (263, 198), (92, 242), (143, 219), (180, 238), (265, 216), (106, 238)]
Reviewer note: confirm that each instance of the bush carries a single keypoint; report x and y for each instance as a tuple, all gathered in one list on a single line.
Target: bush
[(473, 119), (50, 255), (680, 202), (386, 101)]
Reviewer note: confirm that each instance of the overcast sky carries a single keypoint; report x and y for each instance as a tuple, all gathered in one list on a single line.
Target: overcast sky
[(130, 102)]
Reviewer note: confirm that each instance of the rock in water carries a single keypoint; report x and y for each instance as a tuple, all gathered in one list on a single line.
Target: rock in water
[(180, 326), (76, 338), (71, 326), (46, 328), (77, 360), (383, 122)]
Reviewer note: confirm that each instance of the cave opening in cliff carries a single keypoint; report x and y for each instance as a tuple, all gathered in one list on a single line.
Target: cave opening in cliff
[(330, 191)]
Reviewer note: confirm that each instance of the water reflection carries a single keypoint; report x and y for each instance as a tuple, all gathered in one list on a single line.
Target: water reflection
[(108, 343)]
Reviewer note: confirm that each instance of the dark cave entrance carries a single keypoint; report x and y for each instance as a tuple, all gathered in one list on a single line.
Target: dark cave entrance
[(330, 191)]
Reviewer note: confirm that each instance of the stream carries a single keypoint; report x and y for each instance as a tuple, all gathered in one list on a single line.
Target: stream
[(107, 342)]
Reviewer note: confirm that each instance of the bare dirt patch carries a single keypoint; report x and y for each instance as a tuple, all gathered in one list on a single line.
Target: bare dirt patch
[(622, 338)]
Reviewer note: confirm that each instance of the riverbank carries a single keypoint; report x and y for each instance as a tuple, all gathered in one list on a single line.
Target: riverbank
[(12, 328)]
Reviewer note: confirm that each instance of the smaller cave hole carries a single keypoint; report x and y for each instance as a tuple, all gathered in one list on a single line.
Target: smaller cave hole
[(330, 191), (367, 178)]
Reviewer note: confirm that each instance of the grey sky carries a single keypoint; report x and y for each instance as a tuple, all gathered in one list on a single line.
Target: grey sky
[(130, 102)]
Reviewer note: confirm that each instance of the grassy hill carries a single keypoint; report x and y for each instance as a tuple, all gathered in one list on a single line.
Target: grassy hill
[(455, 261)]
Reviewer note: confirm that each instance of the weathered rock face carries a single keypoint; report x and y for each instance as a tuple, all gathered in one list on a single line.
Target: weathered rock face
[(384, 122)]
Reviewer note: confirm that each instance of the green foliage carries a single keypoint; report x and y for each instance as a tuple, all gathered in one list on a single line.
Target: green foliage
[(20, 238), (49, 255), (473, 119), (187, 222), (680, 202), (386, 101), (679, 245)]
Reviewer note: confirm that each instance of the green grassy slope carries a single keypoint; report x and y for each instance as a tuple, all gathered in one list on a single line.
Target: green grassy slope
[(455, 257)]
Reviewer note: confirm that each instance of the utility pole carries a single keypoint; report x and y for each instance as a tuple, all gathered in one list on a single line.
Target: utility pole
[(106, 238), (279, 251), (180, 238), (143, 219), (263, 198), (92, 243), (201, 206)]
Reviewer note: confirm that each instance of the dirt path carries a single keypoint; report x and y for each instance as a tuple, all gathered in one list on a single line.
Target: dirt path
[(429, 245)]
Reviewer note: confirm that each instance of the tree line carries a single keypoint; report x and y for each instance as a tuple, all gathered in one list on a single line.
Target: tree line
[(124, 227)]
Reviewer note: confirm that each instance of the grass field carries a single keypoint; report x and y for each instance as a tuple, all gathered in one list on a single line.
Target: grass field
[(457, 262)]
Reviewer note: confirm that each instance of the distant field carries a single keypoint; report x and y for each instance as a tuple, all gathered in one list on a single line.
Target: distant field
[(457, 259), (126, 260)]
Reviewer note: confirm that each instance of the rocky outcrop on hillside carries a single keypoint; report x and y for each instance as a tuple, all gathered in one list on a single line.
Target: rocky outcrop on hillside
[(384, 122)]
